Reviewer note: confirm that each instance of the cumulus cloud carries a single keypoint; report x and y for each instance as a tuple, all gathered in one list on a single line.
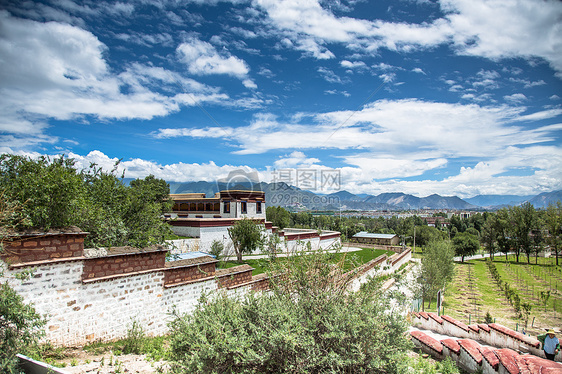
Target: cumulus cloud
[(55, 70), (202, 58), (493, 30), (445, 130)]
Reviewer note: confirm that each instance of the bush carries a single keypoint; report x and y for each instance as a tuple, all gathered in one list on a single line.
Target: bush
[(216, 249), (134, 341), (308, 323), (20, 328), (488, 319)]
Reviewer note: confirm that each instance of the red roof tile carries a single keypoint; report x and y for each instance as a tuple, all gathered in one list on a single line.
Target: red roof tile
[(472, 348), (489, 356), (459, 324), (424, 315), (474, 328), (508, 359), (484, 327), (541, 365), (427, 341), (436, 318), (452, 345), (516, 335)]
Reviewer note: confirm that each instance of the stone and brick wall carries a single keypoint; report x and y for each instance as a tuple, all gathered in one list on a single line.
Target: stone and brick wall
[(39, 247), (87, 299), (232, 277), (178, 272), (121, 264)]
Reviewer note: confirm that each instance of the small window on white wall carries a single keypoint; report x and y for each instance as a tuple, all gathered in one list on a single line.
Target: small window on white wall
[(258, 207), (244, 207)]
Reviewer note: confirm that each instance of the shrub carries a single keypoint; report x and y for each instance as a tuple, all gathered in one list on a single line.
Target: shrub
[(134, 341), (308, 323), (20, 328), (216, 249)]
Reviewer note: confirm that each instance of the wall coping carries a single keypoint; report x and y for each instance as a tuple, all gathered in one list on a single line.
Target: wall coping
[(127, 251), (20, 265), (471, 347), (170, 285), (453, 321), (452, 345), (122, 275), (427, 341), (170, 264)]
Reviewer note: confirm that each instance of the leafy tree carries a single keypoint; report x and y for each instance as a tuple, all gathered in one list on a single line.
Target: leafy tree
[(278, 216), (553, 223), (504, 229), (48, 190), (53, 193), (20, 328), (490, 235), (437, 268), (246, 236), (465, 244), (524, 218), (427, 234), (308, 323)]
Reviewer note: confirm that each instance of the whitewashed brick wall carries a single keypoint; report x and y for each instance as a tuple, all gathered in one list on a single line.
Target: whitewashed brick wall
[(79, 313)]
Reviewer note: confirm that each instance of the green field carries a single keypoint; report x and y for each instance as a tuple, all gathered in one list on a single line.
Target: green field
[(474, 292), (351, 259)]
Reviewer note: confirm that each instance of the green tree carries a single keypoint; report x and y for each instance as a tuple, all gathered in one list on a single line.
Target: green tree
[(437, 268), (20, 328), (246, 236), (553, 223), (278, 216), (524, 218), (504, 229), (48, 190), (427, 234), (490, 235), (308, 323), (465, 244), (53, 193)]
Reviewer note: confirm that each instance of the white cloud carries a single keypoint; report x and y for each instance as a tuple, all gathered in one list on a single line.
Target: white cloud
[(353, 64), (490, 29), (139, 168), (398, 127), (202, 58), (515, 98), (507, 29), (296, 159), (55, 70)]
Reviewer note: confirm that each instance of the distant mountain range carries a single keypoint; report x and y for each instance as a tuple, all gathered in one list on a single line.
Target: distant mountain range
[(292, 197)]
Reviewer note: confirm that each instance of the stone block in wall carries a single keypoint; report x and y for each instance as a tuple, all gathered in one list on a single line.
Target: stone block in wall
[(189, 270), (120, 261), (235, 276), (35, 246)]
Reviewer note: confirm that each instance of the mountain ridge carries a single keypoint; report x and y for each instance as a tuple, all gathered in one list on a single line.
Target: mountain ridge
[(282, 194)]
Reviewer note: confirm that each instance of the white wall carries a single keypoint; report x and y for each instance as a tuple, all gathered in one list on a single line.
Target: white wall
[(79, 313)]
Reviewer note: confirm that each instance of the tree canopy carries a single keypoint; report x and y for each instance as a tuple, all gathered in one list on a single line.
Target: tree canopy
[(465, 244), (437, 267), (53, 193), (246, 236)]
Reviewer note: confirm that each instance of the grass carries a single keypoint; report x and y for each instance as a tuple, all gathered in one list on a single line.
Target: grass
[(474, 292), (352, 259)]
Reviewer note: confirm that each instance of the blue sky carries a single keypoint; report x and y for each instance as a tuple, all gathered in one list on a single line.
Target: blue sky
[(455, 97)]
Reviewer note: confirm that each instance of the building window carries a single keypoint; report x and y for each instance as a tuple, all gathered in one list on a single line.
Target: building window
[(244, 207), (258, 207), (226, 206)]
